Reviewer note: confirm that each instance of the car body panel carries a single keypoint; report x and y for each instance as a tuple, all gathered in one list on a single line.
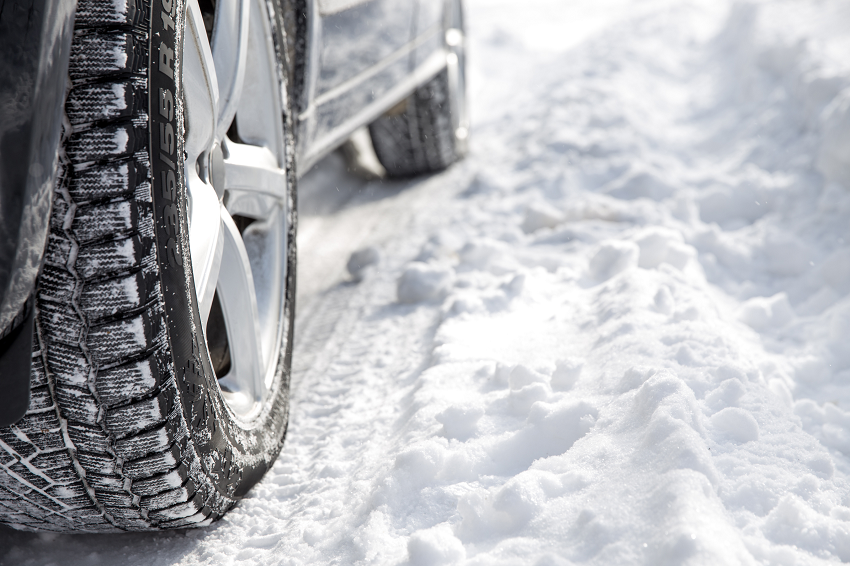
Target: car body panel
[(357, 68), (35, 39), (360, 37), (15, 367), (429, 28)]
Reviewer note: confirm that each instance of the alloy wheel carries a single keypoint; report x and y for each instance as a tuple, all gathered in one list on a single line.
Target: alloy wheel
[(236, 180)]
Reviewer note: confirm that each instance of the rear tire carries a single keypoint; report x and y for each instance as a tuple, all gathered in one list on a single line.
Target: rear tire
[(128, 428), (428, 131)]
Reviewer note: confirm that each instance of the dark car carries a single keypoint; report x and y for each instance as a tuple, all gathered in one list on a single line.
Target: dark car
[(149, 155)]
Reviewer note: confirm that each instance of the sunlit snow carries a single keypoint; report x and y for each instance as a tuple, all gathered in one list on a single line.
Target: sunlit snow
[(617, 333)]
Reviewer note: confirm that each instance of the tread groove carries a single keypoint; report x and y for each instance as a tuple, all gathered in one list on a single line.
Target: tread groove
[(67, 438)]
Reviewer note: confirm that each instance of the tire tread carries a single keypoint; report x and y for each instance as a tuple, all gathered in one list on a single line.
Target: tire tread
[(107, 399), (417, 137)]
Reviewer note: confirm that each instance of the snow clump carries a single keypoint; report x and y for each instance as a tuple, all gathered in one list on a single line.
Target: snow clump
[(424, 282), (361, 260)]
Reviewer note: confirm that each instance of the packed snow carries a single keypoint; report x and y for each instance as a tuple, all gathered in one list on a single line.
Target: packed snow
[(617, 333)]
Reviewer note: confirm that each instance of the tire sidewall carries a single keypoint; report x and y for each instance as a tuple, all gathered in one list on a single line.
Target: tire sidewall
[(234, 455)]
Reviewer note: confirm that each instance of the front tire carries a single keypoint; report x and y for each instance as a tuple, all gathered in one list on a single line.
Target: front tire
[(429, 130), (129, 427)]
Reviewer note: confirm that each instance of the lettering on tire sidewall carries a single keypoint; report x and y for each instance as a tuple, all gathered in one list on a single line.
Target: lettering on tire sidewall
[(202, 409)]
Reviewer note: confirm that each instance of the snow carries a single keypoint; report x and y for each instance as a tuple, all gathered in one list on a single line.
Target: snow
[(361, 260), (615, 334), (422, 281)]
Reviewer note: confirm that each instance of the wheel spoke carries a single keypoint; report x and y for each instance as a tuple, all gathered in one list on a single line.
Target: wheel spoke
[(201, 86), (254, 182), (205, 239), (229, 51), (239, 306), (260, 107)]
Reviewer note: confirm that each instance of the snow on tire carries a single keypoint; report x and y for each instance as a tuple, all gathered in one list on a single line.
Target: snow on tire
[(127, 428)]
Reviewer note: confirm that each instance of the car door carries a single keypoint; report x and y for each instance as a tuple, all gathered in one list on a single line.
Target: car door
[(428, 30), (359, 51)]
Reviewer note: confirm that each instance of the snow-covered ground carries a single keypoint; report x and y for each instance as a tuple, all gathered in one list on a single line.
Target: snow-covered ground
[(618, 333)]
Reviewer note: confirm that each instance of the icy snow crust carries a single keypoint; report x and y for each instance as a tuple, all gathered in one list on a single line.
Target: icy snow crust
[(616, 334)]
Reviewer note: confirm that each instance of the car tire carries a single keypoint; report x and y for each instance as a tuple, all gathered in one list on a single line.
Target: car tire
[(429, 130), (141, 416)]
